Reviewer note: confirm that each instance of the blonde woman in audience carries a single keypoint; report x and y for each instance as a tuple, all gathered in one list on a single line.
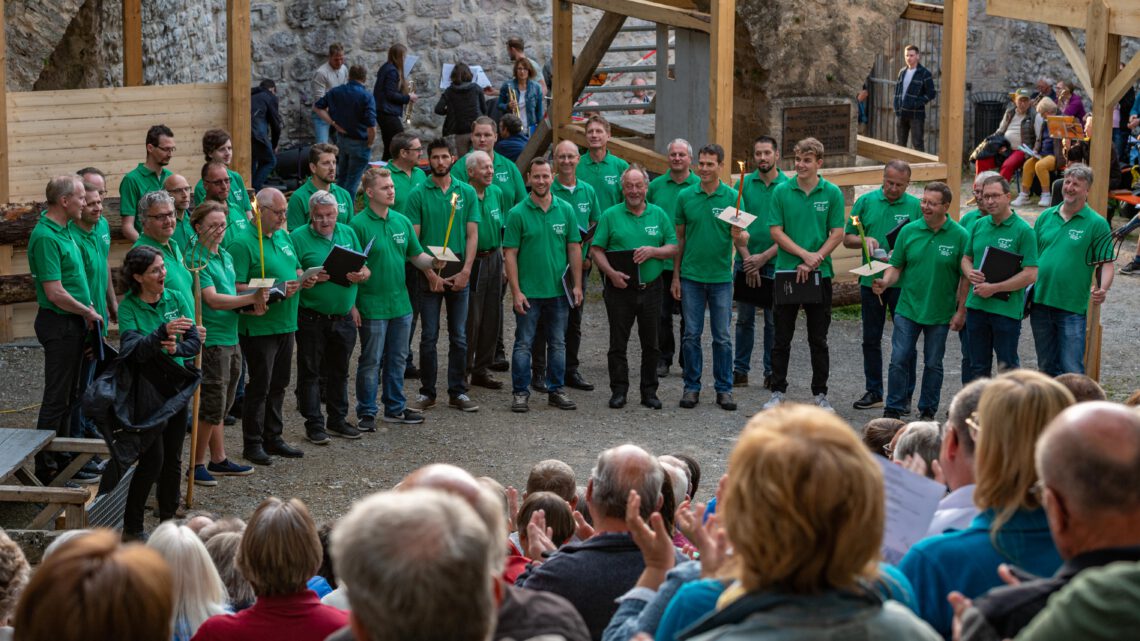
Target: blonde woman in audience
[(198, 590)]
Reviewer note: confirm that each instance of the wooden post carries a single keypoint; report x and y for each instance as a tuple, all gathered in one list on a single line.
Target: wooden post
[(6, 333), (238, 54), (4, 116), (132, 43), (562, 50), (953, 106), (721, 50), (1102, 52)]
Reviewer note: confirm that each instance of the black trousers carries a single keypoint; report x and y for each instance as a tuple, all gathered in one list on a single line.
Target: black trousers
[(412, 282), (623, 308), (324, 348), (818, 322), (62, 337), (573, 339), (269, 359), (389, 127), (161, 462), (666, 343), (485, 314)]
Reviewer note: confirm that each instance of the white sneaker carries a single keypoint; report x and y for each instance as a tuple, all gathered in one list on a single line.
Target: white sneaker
[(821, 401), (776, 400), (1021, 200), (422, 402), (1046, 200)]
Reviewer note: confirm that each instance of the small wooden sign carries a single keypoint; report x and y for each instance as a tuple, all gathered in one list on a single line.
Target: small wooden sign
[(829, 124)]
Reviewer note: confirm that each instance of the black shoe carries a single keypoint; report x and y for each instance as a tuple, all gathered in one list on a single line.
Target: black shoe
[(86, 478), (868, 401), (411, 371), (366, 424), (617, 401), (689, 400), (739, 379), (724, 400), (576, 381), (662, 370), (345, 430), (408, 417), (561, 401), (316, 437), (538, 386), (652, 402), (256, 454), (483, 380), (892, 414), (520, 403), (501, 365), (281, 448), (230, 419), (926, 416), (768, 382)]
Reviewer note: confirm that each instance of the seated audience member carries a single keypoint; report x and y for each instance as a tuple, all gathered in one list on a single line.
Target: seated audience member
[(223, 548), (14, 573), (512, 139), (878, 434), (1088, 460), (198, 520), (694, 473), (956, 462), (922, 439), (515, 563), (324, 581), (198, 590), (593, 573), (416, 565), (95, 589), (1082, 387), (555, 476), (1099, 605), (280, 551), (556, 517), (800, 546), (1048, 149), (1011, 528), (61, 540), (221, 526)]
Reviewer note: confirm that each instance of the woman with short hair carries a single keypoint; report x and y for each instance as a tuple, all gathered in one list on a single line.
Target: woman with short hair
[(218, 145), (198, 591)]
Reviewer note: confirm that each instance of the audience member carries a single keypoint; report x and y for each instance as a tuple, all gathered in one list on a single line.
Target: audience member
[(1099, 605), (512, 137), (460, 104), (1082, 387), (14, 572), (878, 433), (554, 476), (223, 548), (556, 514), (922, 439), (955, 463), (694, 473), (198, 590)]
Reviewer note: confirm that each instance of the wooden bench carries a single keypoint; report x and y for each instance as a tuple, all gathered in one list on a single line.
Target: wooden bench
[(1125, 196), (18, 449)]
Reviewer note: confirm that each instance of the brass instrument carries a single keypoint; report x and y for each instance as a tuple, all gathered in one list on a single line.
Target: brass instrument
[(514, 100), (411, 88)]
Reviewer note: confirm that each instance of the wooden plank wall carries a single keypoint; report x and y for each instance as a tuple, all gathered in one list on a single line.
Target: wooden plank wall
[(58, 132)]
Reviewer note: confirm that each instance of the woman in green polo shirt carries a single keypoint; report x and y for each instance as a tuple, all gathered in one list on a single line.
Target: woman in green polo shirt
[(155, 323)]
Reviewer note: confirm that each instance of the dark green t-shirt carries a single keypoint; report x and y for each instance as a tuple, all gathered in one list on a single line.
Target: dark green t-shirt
[(708, 240), (280, 263), (878, 216), (807, 219), (312, 250), (1014, 235), (619, 229), (95, 247), (297, 214), (931, 264), (385, 294), (542, 238), (429, 207), (1064, 276)]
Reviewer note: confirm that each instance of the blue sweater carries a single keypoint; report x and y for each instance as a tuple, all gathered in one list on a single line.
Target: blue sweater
[(967, 561)]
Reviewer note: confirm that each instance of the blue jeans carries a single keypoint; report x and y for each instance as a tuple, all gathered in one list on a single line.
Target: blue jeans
[(383, 349), (431, 305), (263, 163), (351, 163), (874, 316), (904, 354), (746, 332), (320, 128), (992, 334), (1060, 340), (717, 297), (554, 313)]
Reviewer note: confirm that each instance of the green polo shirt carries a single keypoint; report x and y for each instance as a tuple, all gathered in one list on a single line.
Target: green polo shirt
[(541, 238), (807, 219), (238, 197), (221, 324), (663, 192), (404, 183), (620, 230), (879, 216), (385, 294), (298, 211), (708, 240), (584, 201), (178, 277), (968, 218), (184, 235), (1063, 275), (139, 316), (507, 177), (312, 250), (931, 263), (137, 182), (604, 177), (492, 214), (280, 263), (1013, 234), (95, 247), (757, 200), (54, 255), (236, 224), (429, 207)]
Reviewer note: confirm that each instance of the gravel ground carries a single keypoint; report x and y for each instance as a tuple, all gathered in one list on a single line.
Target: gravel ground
[(497, 443)]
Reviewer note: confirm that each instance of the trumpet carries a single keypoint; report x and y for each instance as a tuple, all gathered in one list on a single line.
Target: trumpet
[(408, 107), (514, 100)]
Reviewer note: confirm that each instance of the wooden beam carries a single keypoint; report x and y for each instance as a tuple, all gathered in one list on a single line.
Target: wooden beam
[(1123, 81), (1104, 58), (132, 43), (924, 12), (562, 99), (654, 12), (721, 66), (1076, 57), (623, 149), (87, 445), (884, 151), (1097, 46), (6, 333), (238, 72), (952, 108), (4, 186), (594, 50), (873, 175), (1069, 13), (539, 140)]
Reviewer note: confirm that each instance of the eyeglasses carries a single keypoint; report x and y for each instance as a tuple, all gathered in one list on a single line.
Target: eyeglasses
[(417, 150), (219, 181), (181, 190), (888, 450), (171, 149), (275, 211), (974, 424), (1037, 490), (169, 216)]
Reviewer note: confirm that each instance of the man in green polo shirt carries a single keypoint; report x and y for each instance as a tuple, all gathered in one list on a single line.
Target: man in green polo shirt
[(807, 225), (507, 174), (663, 192), (156, 211), (967, 223), (267, 340), (645, 230), (384, 304), (216, 177), (322, 165), (66, 309), (931, 301), (1066, 235), (994, 322), (445, 214), (179, 189), (878, 212), (326, 323), (485, 310), (542, 251), (147, 177), (757, 259), (406, 150), (702, 276), (599, 168)]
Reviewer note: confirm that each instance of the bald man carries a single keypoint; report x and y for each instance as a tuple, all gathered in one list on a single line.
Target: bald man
[(1088, 461)]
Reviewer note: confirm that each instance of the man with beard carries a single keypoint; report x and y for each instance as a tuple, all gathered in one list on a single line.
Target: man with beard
[(147, 177), (179, 189), (322, 164)]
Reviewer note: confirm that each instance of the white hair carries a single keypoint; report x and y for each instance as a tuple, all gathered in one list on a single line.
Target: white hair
[(474, 157), (678, 476), (680, 141), (198, 590)]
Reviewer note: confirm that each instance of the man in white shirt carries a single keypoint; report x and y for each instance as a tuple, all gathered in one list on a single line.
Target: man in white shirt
[(333, 73), (955, 465)]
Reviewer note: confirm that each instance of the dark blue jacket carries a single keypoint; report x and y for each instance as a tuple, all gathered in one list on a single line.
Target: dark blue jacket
[(386, 92), (512, 147), (266, 119), (351, 107), (918, 93)]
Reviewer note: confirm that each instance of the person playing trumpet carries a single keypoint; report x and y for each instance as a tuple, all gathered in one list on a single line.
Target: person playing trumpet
[(522, 96)]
